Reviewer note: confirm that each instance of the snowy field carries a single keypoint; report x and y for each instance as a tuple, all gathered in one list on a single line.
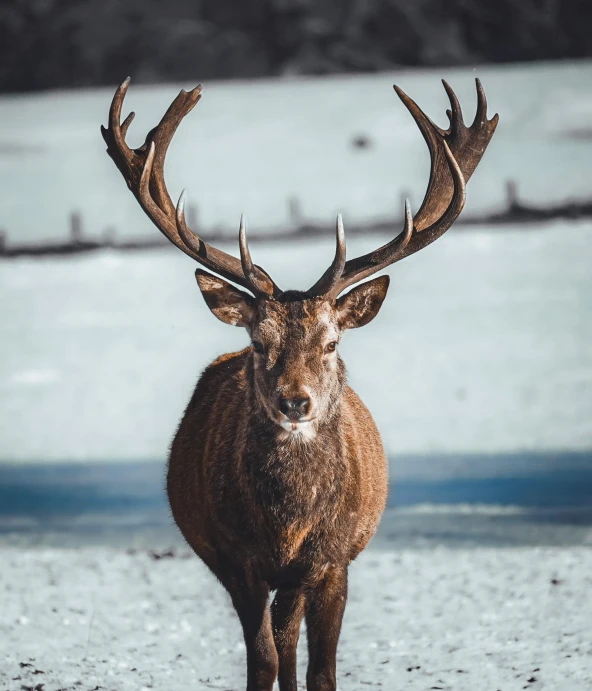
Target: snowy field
[(482, 345), (458, 621), (250, 146)]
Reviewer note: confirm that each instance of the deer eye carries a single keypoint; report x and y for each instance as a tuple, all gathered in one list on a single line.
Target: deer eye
[(257, 346), (330, 347)]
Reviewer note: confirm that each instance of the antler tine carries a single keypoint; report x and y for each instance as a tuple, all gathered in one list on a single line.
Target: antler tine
[(216, 260), (455, 113), (330, 278), (190, 239), (143, 171), (126, 123), (361, 267), (259, 281), (116, 130), (481, 113)]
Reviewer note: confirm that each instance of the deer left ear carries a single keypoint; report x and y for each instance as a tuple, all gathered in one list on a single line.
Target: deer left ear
[(361, 305), (226, 302)]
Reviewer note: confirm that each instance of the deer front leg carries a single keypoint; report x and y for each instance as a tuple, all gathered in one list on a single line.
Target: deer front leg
[(325, 605), (250, 601), (286, 614)]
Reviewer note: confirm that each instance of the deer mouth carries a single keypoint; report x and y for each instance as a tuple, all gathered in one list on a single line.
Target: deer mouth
[(294, 424), (297, 430), (303, 427)]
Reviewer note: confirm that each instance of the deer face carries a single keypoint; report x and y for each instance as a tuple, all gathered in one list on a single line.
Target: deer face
[(298, 374)]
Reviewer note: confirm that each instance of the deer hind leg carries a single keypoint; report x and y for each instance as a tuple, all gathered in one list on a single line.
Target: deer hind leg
[(325, 605), (286, 614), (250, 602)]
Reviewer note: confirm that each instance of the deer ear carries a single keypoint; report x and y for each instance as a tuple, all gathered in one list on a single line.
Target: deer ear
[(361, 305), (226, 302)]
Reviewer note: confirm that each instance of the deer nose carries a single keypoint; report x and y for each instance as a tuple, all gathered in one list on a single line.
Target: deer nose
[(295, 407)]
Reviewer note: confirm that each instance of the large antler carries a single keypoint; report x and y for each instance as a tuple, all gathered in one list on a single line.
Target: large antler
[(143, 171), (454, 153)]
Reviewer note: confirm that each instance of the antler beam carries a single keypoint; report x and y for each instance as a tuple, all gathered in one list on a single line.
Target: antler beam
[(454, 155), (143, 171)]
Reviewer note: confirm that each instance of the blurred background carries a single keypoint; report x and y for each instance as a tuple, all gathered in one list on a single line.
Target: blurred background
[(478, 370)]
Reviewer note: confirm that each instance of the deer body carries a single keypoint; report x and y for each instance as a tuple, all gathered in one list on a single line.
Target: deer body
[(247, 499), (277, 475), (269, 507)]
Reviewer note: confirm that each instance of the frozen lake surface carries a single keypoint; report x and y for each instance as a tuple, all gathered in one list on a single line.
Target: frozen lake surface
[(462, 500)]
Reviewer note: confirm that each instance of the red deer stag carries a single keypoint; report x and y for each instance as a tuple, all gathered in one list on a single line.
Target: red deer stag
[(277, 476)]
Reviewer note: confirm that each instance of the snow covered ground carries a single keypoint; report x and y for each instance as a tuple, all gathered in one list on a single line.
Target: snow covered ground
[(439, 619), (250, 146)]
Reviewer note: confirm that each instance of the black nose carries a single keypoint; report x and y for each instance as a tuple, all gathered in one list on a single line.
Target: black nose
[(294, 407)]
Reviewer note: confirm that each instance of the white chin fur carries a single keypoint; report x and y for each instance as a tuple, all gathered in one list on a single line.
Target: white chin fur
[(297, 430)]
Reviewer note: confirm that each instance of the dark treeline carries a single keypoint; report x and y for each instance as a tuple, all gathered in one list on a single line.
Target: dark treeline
[(68, 43)]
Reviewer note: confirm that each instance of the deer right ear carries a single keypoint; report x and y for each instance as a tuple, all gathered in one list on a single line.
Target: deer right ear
[(226, 302), (361, 304)]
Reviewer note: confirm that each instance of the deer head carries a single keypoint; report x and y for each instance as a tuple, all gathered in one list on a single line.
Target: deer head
[(296, 371)]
